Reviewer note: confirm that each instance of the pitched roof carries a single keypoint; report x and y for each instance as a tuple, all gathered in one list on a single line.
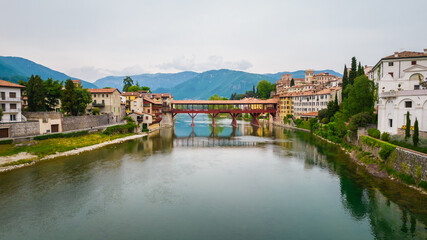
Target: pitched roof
[(311, 114), (4, 83), (130, 94), (102, 90), (406, 54)]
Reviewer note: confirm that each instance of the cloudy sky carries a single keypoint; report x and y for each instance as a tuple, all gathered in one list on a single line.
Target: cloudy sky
[(90, 39)]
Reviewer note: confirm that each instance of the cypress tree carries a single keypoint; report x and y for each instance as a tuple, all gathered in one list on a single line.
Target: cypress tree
[(292, 82), (408, 126), (353, 71), (344, 82), (415, 137), (337, 107), (36, 94), (360, 71)]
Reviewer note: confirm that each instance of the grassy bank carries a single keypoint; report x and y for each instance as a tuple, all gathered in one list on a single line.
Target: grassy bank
[(42, 148)]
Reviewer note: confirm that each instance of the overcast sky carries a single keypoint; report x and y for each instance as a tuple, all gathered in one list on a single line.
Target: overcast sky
[(91, 39)]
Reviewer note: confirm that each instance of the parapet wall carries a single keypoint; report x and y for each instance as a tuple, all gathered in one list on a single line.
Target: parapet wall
[(87, 121)]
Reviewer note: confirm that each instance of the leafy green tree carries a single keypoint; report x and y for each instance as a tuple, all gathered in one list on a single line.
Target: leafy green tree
[(127, 83), (53, 91), (69, 97), (312, 123), (360, 97), (415, 137), (408, 126), (292, 82), (359, 120), (353, 71), (133, 89), (216, 97), (144, 88), (344, 82), (360, 71), (35, 94), (264, 88), (1, 114), (83, 99), (323, 114)]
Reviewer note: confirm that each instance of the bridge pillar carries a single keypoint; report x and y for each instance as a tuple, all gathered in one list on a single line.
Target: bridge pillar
[(254, 121), (213, 115), (234, 121), (192, 115), (167, 120)]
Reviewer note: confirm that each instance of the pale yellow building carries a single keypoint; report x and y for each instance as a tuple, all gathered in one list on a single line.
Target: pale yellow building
[(107, 100)]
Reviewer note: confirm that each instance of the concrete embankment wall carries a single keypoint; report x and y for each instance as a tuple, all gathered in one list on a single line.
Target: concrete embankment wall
[(401, 159)]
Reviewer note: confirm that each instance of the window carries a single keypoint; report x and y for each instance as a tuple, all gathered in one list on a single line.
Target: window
[(3, 95), (391, 73), (390, 122), (12, 117), (408, 104), (94, 95), (416, 87), (12, 106), (102, 95), (3, 107), (107, 95), (413, 62), (94, 101), (12, 94), (103, 102), (390, 64)]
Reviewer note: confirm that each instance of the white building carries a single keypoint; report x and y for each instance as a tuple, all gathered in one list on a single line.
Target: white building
[(309, 101), (401, 80), (10, 100)]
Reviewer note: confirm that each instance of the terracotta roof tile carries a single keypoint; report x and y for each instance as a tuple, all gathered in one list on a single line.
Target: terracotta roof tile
[(406, 54), (4, 83), (102, 90)]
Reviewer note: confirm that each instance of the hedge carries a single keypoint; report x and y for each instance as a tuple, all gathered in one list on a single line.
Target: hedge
[(385, 136), (61, 135), (373, 132), (8, 141), (386, 148), (124, 128)]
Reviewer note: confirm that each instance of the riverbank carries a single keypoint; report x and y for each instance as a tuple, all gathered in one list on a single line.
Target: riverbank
[(33, 152), (367, 160)]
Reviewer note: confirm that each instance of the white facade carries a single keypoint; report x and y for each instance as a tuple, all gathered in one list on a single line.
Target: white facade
[(307, 102), (10, 100), (400, 80)]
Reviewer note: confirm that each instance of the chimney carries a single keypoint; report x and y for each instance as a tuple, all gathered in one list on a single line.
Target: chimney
[(396, 54)]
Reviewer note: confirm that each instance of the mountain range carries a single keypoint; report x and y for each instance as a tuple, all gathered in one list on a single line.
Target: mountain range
[(182, 85), (14, 69)]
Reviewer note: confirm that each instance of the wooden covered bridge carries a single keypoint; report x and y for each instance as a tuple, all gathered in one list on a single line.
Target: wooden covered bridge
[(254, 107)]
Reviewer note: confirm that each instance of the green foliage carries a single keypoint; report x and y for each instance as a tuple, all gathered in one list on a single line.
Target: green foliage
[(353, 71), (61, 135), (344, 82), (75, 99), (96, 111), (418, 174), (127, 83), (373, 132), (133, 89), (292, 82), (386, 150), (408, 145), (423, 184), (264, 88), (360, 120), (385, 136), (415, 137), (35, 94), (53, 91), (289, 116), (1, 113), (216, 97), (313, 124), (360, 97), (124, 128), (408, 126), (8, 141), (128, 119), (360, 71)]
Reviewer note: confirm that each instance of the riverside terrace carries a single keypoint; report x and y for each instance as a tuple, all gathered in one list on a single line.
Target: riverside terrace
[(254, 107)]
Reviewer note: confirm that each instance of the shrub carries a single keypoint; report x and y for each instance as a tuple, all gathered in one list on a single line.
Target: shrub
[(373, 132), (360, 120), (124, 128), (324, 120), (95, 111), (128, 119), (385, 136), (8, 141), (61, 135), (386, 150)]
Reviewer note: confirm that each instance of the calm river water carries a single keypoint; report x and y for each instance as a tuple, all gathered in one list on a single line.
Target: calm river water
[(245, 183)]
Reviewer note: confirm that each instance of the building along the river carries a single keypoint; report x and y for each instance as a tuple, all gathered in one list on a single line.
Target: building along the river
[(313, 101), (10, 100), (402, 87), (107, 100)]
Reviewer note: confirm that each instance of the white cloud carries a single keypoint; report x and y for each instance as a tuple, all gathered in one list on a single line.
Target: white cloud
[(91, 74)]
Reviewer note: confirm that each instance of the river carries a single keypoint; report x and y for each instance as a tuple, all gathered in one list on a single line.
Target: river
[(184, 183)]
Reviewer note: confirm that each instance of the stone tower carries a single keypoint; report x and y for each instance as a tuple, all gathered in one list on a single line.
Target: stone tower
[(309, 74)]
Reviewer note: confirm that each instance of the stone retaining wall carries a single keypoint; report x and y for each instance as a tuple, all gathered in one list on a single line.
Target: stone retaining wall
[(87, 121), (22, 129)]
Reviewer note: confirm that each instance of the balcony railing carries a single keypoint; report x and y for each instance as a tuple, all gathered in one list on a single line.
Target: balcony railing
[(9, 99), (389, 94), (98, 104)]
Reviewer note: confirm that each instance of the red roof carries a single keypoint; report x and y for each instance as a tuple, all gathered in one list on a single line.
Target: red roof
[(103, 90), (406, 54), (4, 83), (310, 114)]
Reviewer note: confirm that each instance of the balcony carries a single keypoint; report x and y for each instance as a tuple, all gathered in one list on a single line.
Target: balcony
[(9, 99), (388, 94), (95, 104)]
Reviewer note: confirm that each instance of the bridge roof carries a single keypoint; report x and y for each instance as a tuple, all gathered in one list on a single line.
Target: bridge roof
[(225, 102)]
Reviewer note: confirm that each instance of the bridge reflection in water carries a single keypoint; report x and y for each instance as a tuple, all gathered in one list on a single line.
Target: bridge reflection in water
[(212, 142)]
